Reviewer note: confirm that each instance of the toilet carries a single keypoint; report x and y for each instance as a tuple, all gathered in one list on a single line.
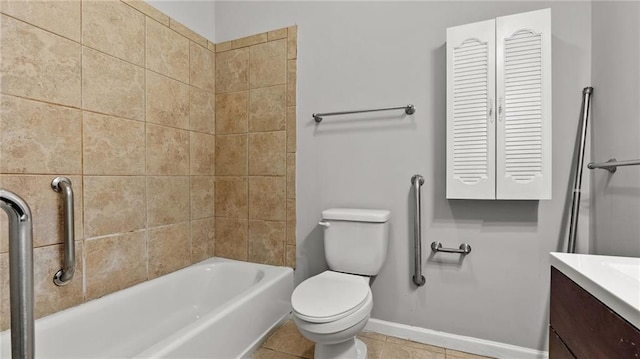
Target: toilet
[(334, 306)]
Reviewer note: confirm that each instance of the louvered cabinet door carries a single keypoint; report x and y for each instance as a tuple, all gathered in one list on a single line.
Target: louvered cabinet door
[(471, 111), (523, 80)]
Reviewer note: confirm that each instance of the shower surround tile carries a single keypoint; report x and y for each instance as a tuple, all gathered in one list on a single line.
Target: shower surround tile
[(231, 155), (169, 249), (60, 17), (232, 112), (267, 154), (202, 117), (232, 70), (133, 106), (291, 129), (115, 262), (37, 64), (167, 52), (36, 137), (267, 242), (112, 146), (187, 32), (114, 204), (202, 239), (232, 238), (168, 101), (148, 10), (202, 194), (292, 42), (292, 69), (291, 175), (277, 34), (266, 198), (224, 46), (202, 68), (268, 64), (167, 200), (202, 154), (290, 256), (231, 197), (249, 40), (267, 111), (114, 28), (167, 151), (291, 222), (112, 86), (262, 146)]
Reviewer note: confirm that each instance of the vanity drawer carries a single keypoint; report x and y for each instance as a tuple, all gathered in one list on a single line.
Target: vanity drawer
[(588, 327)]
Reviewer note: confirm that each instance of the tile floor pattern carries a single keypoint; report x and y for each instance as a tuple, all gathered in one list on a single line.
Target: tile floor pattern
[(288, 343)]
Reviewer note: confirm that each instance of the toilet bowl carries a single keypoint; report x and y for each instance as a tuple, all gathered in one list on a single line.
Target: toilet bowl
[(332, 307)]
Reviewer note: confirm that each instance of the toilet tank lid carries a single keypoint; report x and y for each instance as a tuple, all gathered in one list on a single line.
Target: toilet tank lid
[(358, 215)]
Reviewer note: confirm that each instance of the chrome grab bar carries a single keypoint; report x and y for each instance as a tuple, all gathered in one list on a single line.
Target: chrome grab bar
[(577, 179), (20, 274), (418, 279), (408, 109), (464, 248), (65, 275), (613, 164)]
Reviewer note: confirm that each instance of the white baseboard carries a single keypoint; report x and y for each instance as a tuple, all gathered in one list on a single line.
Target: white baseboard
[(453, 341)]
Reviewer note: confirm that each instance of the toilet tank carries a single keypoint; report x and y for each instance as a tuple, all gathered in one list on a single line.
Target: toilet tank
[(356, 240)]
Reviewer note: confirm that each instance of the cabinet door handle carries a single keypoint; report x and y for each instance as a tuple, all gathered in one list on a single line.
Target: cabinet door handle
[(500, 108)]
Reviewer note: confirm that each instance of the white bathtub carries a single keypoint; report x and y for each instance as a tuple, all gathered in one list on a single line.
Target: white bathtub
[(214, 309)]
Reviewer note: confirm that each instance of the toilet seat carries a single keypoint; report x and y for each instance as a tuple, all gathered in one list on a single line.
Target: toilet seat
[(330, 296)]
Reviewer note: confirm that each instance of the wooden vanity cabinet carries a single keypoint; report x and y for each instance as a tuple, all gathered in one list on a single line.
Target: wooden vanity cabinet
[(581, 326)]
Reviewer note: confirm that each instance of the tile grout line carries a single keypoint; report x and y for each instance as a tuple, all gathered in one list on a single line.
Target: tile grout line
[(147, 238), (46, 30), (190, 149), (84, 247)]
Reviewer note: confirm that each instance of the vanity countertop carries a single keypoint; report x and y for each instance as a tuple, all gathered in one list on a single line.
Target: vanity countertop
[(615, 281)]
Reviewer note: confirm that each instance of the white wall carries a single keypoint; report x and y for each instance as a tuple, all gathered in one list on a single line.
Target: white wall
[(368, 54), (616, 126), (198, 15)]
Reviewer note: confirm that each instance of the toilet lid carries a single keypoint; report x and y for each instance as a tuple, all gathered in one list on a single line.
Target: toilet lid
[(329, 296)]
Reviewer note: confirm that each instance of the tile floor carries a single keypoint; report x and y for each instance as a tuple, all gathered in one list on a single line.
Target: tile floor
[(288, 343)]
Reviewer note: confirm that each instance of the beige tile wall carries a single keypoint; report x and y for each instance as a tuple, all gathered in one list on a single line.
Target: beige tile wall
[(121, 99), (255, 147), (126, 102)]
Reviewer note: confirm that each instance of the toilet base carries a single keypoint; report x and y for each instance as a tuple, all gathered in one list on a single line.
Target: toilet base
[(351, 349)]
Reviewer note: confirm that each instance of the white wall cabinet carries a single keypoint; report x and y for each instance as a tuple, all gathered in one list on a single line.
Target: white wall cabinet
[(499, 108)]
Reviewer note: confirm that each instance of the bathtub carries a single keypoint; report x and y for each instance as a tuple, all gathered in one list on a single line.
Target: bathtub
[(217, 308)]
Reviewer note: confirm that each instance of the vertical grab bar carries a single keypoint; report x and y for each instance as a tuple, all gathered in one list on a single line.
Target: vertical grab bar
[(418, 279), (20, 274), (65, 275), (577, 180)]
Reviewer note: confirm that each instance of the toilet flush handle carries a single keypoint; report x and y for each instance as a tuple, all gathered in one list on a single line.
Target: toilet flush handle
[(324, 224)]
